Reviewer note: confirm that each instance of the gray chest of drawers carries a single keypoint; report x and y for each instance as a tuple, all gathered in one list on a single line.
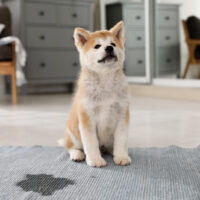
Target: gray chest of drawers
[(167, 34), (46, 29), (167, 40)]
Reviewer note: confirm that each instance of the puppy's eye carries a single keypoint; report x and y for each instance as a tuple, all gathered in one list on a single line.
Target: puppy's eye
[(113, 44), (97, 46)]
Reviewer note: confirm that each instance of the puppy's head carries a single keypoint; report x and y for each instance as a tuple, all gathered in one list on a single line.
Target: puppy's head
[(101, 50)]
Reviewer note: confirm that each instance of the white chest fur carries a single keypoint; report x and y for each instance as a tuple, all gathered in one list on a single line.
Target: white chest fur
[(107, 100)]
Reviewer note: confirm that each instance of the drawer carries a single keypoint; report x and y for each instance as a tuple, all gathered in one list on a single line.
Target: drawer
[(135, 62), (134, 16), (168, 59), (52, 64), (73, 15), (40, 13), (135, 38), (167, 37), (167, 18), (50, 37)]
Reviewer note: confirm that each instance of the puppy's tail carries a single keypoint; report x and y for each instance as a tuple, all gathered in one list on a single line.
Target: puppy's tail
[(61, 142)]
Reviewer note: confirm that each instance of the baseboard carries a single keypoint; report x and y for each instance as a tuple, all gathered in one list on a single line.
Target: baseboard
[(165, 92)]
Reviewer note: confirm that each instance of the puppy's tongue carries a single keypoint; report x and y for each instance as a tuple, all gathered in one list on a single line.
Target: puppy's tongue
[(107, 57)]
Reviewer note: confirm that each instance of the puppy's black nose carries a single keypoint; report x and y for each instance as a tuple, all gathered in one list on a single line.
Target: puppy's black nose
[(109, 49)]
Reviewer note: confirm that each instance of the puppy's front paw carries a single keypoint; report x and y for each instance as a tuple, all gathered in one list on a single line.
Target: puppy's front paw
[(122, 160), (96, 162)]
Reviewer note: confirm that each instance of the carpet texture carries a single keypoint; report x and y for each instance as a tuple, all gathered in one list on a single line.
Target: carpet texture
[(29, 173)]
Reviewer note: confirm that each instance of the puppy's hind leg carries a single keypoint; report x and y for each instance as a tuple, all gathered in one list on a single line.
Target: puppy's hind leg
[(74, 147), (76, 155)]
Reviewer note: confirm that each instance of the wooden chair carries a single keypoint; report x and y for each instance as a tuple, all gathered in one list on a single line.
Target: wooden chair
[(7, 52), (192, 45), (9, 68)]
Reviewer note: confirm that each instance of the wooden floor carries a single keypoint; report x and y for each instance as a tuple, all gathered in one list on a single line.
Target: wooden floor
[(40, 120)]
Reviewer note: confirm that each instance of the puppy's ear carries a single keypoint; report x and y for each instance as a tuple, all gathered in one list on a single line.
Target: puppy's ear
[(118, 31), (81, 37)]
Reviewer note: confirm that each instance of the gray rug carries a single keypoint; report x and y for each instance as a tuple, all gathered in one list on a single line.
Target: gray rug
[(29, 173)]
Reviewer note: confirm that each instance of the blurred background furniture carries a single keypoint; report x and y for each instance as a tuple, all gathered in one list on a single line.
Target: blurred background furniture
[(167, 34), (133, 16), (46, 28), (167, 40), (191, 28), (7, 52)]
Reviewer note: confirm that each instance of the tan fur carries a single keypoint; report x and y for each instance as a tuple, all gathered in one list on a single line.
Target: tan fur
[(83, 32), (69, 144), (95, 88), (100, 34), (127, 116), (73, 121), (85, 119)]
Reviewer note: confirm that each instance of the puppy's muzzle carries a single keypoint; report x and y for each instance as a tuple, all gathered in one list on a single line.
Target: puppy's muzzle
[(109, 55)]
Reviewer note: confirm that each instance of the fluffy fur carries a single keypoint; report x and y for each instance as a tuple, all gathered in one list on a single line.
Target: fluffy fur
[(99, 116)]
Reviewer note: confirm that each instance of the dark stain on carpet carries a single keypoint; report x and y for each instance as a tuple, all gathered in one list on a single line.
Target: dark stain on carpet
[(44, 184)]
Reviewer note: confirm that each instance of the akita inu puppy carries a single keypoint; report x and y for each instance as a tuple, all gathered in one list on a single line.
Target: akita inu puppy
[(99, 116)]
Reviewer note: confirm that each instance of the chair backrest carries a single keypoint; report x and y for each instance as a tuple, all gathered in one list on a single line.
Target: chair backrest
[(5, 18), (185, 28)]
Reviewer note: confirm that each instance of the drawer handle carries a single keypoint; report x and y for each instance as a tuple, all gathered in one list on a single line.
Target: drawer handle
[(138, 17), (41, 13), (167, 18), (75, 64), (139, 38), (140, 61), (42, 64), (42, 37), (167, 37), (168, 60), (74, 15)]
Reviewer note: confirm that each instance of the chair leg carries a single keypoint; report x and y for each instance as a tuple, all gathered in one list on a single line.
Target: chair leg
[(14, 88), (186, 68)]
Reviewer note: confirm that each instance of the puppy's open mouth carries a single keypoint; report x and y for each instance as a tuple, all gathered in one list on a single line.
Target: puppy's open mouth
[(108, 58)]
